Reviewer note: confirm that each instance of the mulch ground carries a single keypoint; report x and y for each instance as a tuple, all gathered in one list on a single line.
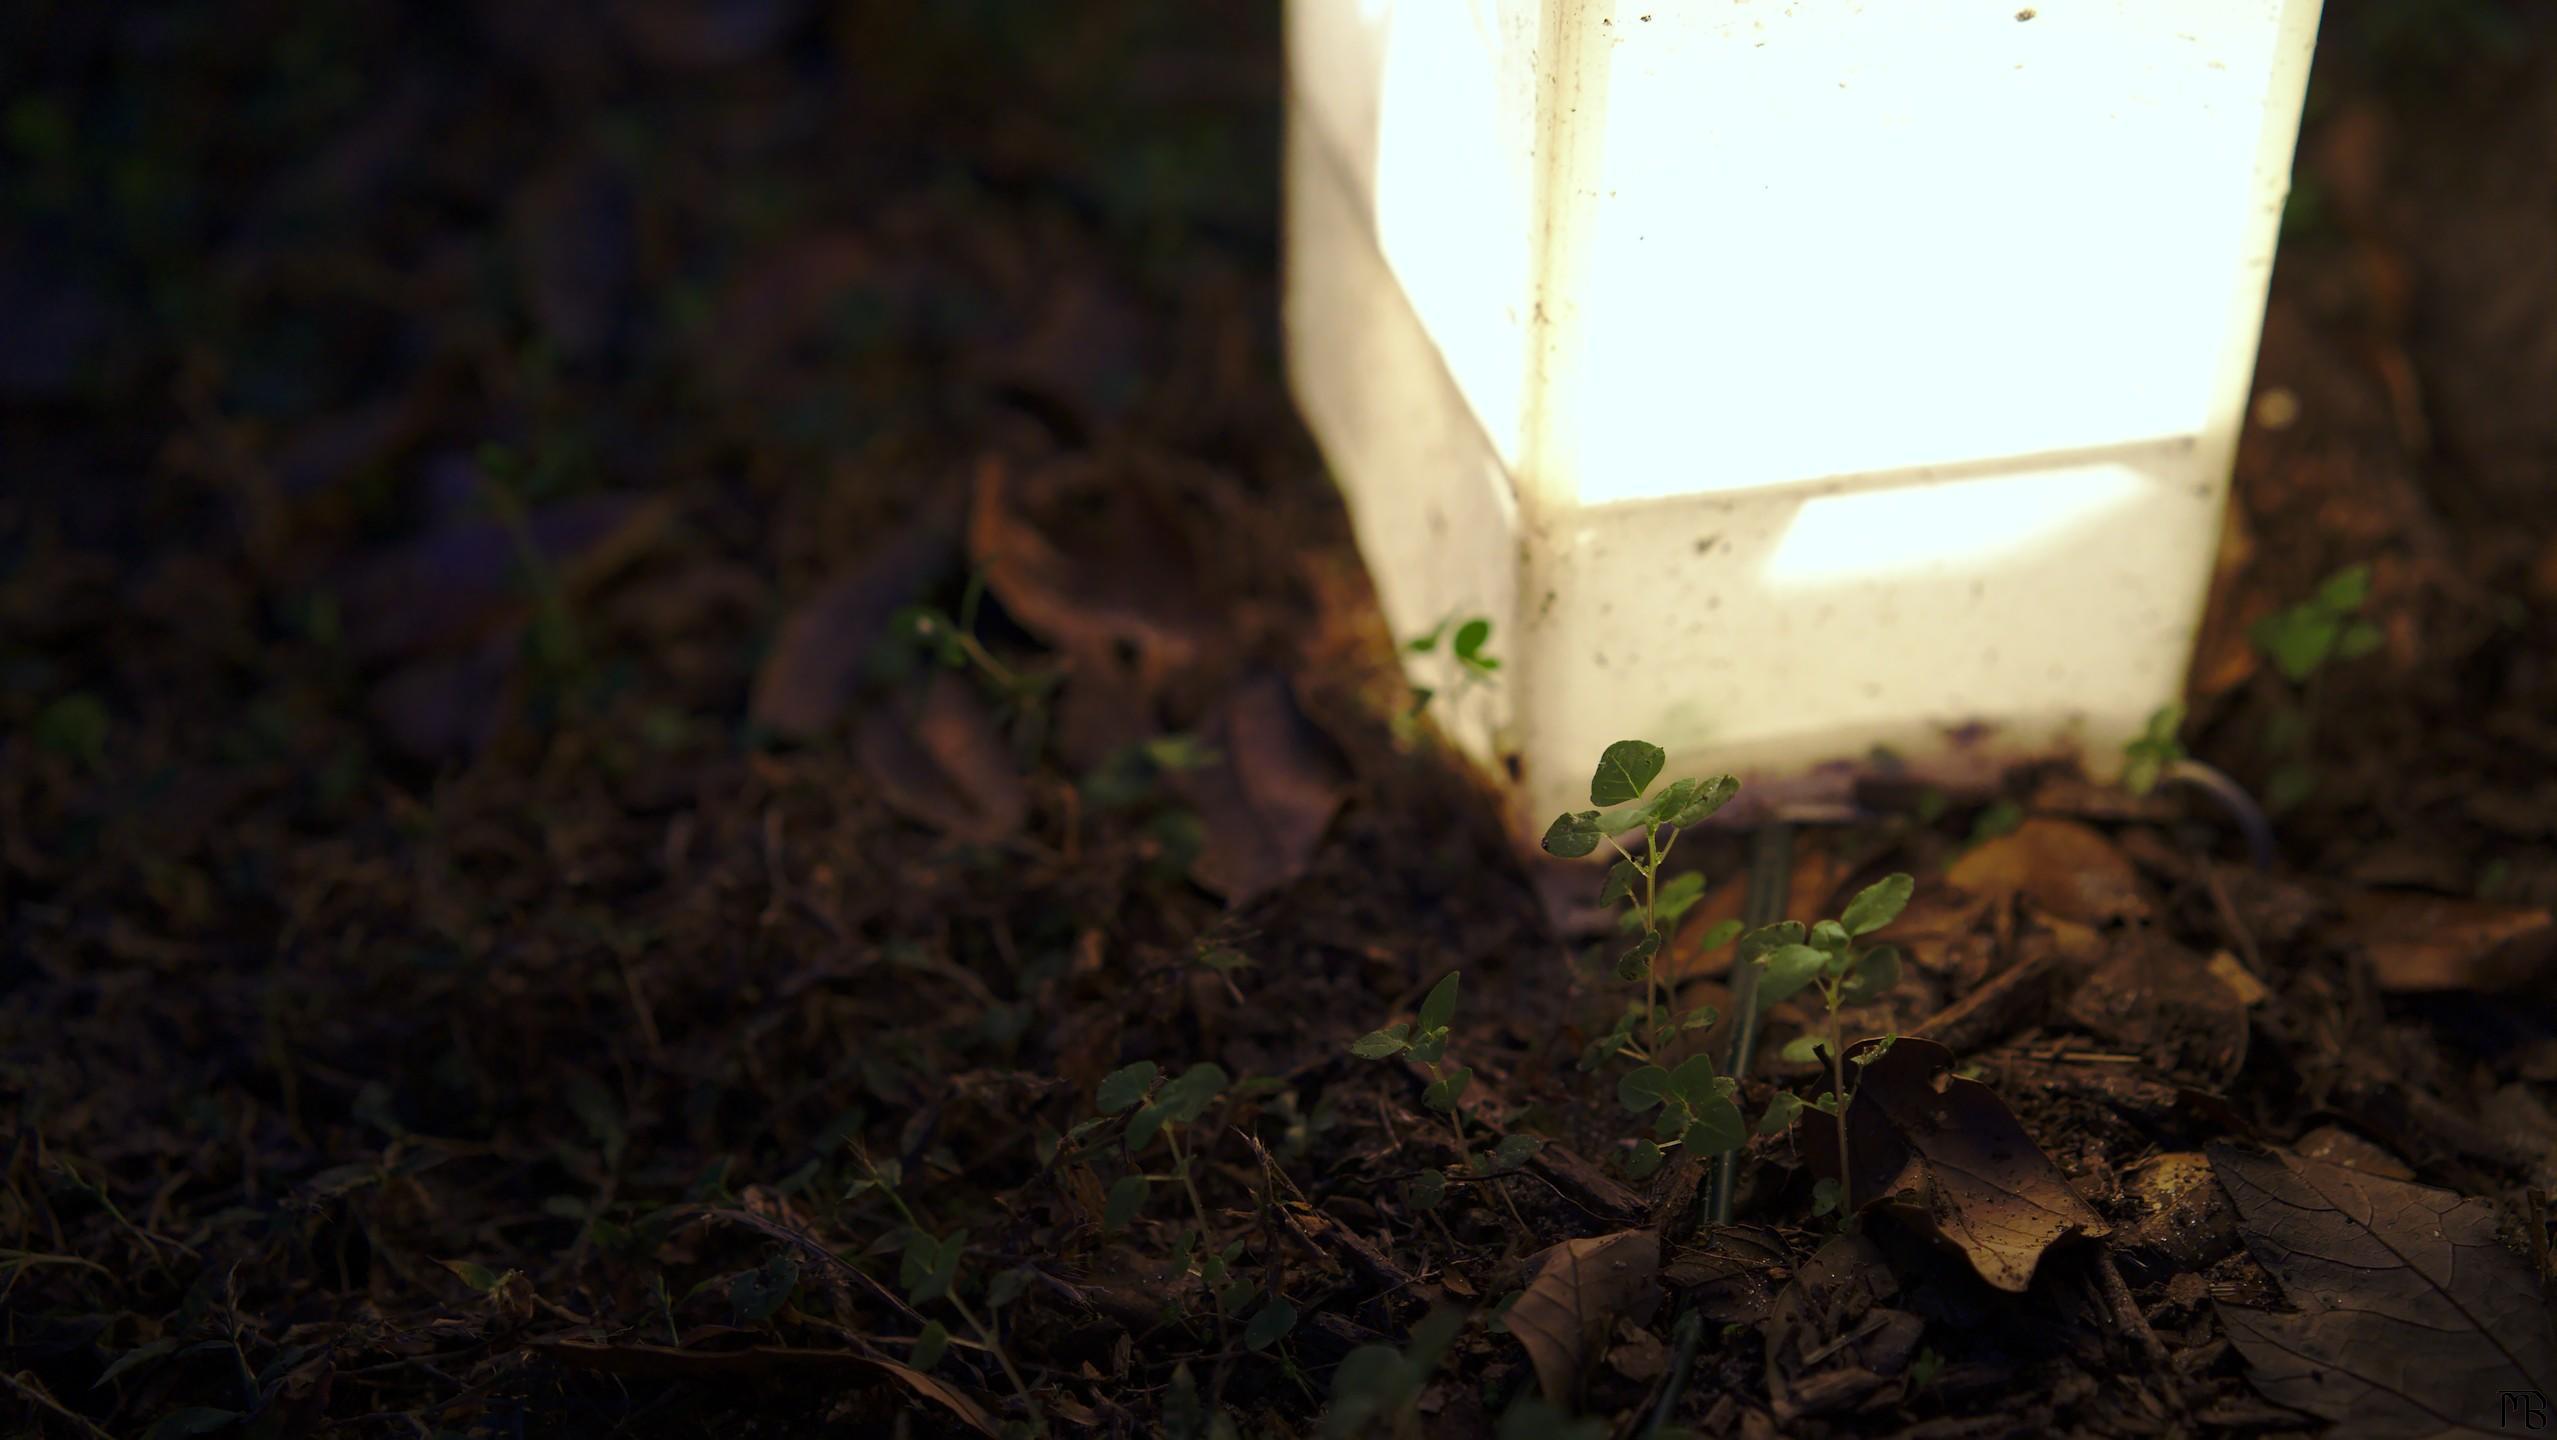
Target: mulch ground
[(639, 643)]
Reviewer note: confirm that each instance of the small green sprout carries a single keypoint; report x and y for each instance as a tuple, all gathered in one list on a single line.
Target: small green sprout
[(1697, 1111), (1473, 665), (2301, 639), (1827, 957), (1380, 1383), (929, 1269), (1624, 775), (1153, 1110), (1424, 1039), (2146, 758)]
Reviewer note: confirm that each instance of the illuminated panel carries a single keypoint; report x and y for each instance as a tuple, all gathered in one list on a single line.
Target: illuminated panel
[(1790, 379)]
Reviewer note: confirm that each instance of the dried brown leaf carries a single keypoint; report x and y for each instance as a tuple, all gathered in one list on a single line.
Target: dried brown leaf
[(2413, 1319), (1087, 559), (1578, 1291), (816, 661), (2064, 868), (1948, 1156), (2422, 942), (1269, 795), (942, 761)]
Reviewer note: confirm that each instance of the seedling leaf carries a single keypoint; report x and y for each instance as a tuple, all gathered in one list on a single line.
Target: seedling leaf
[(1625, 771), (1788, 970), (1440, 1006), (1573, 834), (1125, 1086), (1878, 904), (1269, 1324), (1127, 1197)]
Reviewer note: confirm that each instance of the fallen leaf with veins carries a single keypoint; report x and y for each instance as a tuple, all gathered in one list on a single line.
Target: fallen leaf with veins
[(1947, 1156), (2413, 1318), (938, 758), (1268, 796), (2064, 868), (1578, 1291)]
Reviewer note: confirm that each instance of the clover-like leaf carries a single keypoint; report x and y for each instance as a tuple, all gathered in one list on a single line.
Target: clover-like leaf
[(1780, 1113), (1768, 938), (1678, 895), (1514, 1150), (1787, 971), (1804, 1049), (1719, 934), (929, 1346), (1694, 1081), (1620, 882), (1125, 1086), (1440, 1005), (1429, 1188), (1872, 976), (1718, 1129), (1641, 1089), (1700, 1018), (1269, 1324), (1625, 771), (1448, 1091), (1710, 794), (1127, 1197), (1145, 1124), (1186, 1098), (1573, 834), (1878, 904), (1635, 963), (1378, 1044), (1824, 1197)]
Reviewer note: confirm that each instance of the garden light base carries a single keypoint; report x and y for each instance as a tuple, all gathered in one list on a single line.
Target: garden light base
[(1806, 386)]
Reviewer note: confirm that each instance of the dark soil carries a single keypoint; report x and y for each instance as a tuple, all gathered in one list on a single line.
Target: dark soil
[(491, 858)]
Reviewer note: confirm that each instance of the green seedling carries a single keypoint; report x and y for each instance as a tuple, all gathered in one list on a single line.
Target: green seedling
[(1165, 1109), (1424, 1039), (2326, 626), (1380, 1383), (1828, 959), (930, 1267), (1652, 908), (2146, 758), (1472, 664), (1697, 1112)]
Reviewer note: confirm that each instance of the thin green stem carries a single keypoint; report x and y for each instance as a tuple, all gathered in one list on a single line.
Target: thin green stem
[(1651, 927), (986, 1336), (1838, 1084), (1181, 1163)]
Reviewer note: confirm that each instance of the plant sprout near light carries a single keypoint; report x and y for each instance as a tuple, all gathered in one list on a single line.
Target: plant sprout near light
[(1790, 381)]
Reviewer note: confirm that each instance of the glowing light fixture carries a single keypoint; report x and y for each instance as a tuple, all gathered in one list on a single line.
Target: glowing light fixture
[(1790, 379)]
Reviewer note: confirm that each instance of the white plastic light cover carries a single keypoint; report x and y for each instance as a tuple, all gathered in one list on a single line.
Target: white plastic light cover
[(1792, 382)]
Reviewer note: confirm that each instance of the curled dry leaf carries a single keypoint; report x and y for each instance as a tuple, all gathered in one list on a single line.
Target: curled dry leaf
[(1269, 795), (816, 661), (2412, 1319), (2064, 868), (1577, 1292), (2435, 942), (938, 758), (1946, 1155), (1086, 559)]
